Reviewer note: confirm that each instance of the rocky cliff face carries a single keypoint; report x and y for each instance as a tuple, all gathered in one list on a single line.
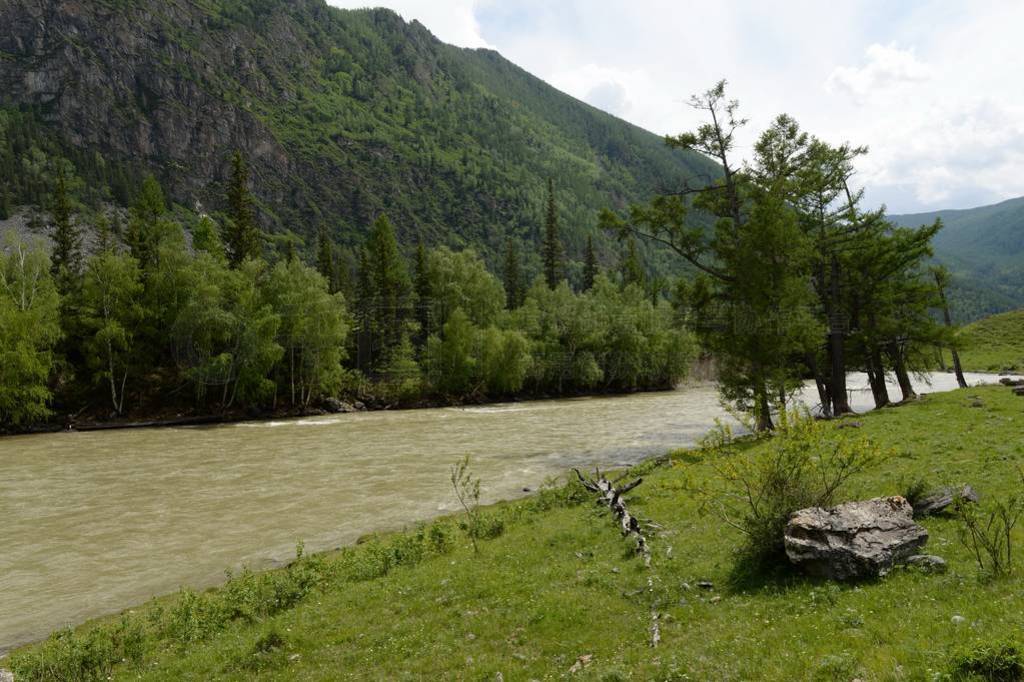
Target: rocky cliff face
[(114, 77), (342, 115)]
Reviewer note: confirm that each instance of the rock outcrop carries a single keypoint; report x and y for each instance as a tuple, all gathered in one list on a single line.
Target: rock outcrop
[(853, 540)]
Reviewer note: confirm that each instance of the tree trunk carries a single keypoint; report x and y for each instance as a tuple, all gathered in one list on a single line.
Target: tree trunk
[(763, 409), (957, 368), (840, 400), (899, 368), (824, 398), (876, 377)]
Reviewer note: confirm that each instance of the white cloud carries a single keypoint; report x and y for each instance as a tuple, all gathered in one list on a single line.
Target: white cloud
[(887, 66)]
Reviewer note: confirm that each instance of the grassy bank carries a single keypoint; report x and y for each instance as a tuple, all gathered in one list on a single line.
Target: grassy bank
[(554, 581), (994, 343)]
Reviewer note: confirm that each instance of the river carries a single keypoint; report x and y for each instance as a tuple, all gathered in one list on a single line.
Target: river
[(91, 523)]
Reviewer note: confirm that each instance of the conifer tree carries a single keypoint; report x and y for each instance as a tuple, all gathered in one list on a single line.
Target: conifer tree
[(513, 276), (423, 291), (551, 249), (632, 270), (243, 237), (67, 241), (590, 266), (325, 259), (149, 208)]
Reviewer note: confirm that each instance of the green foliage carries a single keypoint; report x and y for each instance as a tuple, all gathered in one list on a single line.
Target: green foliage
[(29, 331), (460, 280), (467, 491), (988, 532), (68, 656), (312, 333), (803, 465), (1002, 662), (110, 313)]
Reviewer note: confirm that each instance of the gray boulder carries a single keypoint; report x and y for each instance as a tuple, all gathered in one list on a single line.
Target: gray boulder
[(335, 406), (935, 502), (853, 540)]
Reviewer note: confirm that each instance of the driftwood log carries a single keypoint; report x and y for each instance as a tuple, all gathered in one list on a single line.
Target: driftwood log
[(610, 496)]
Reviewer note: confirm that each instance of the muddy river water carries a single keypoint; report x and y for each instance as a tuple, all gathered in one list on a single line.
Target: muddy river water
[(91, 523)]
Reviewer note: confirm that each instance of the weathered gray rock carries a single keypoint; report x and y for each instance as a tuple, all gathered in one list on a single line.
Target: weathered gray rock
[(335, 406), (853, 540), (937, 501), (929, 563)]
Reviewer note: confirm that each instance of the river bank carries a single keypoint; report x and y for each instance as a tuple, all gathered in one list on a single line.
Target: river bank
[(554, 590)]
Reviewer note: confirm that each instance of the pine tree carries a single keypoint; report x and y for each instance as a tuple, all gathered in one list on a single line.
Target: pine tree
[(423, 292), (105, 239), (551, 249), (325, 259), (5, 202), (243, 237), (67, 241), (632, 271), (590, 266), (149, 208), (513, 276)]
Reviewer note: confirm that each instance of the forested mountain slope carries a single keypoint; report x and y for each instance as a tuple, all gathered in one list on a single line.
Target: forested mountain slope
[(984, 247), (343, 114)]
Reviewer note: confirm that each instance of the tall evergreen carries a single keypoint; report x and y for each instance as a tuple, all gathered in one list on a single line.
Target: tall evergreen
[(423, 293), (243, 237), (590, 266), (632, 270), (513, 276), (551, 249), (67, 241), (389, 287), (149, 208), (325, 259)]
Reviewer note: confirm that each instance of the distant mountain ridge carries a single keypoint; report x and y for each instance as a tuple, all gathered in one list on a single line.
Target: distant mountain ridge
[(984, 248), (344, 114)]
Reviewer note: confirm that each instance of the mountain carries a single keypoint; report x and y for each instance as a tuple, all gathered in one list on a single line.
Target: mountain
[(343, 114), (984, 248)]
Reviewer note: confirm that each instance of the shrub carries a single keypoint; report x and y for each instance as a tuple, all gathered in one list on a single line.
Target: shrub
[(804, 465), (1002, 662), (71, 657), (988, 533)]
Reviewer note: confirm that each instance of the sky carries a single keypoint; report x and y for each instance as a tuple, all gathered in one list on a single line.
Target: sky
[(934, 88)]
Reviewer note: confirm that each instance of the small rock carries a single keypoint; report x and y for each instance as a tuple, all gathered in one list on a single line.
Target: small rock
[(957, 620), (849, 425), (335, 406), (686, 586), (519, 656), (581, 663), (929, 563), (359, 405), (6, 676), (977, 403), (499, 677), (615, 570), (716, 599), (471, 637), (294, 657), (526, 490), (706, 585), (1009, 381)]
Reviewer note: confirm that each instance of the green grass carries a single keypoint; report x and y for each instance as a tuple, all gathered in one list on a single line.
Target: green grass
[(561, 583), (995, 343)]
